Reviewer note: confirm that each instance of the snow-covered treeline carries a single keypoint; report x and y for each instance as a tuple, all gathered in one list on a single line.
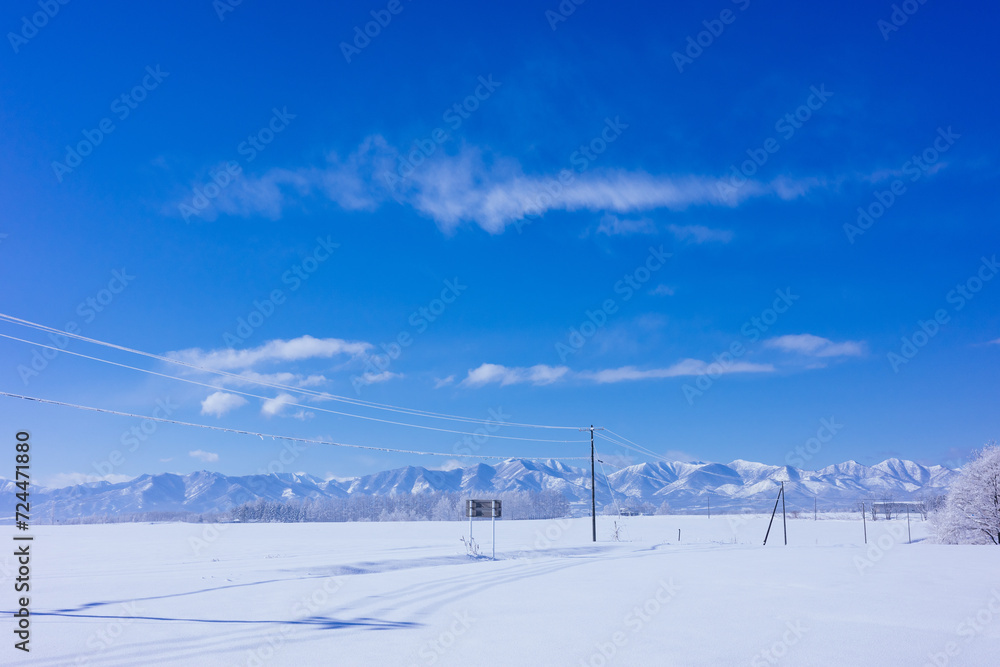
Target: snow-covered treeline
[(408, 507)]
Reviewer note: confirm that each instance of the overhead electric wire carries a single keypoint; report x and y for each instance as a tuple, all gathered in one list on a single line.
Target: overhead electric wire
[(298, 405), (614, 500), (284, 437), (644, 453), (660, 481), (273, 385), (621, 437)]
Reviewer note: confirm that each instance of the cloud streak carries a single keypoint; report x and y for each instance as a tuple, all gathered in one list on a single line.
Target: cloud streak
[(493, 192), (816, 346), (700, 234), (296, 349), (542, 374)]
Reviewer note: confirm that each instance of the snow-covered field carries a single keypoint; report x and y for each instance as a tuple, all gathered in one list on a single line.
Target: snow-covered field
[(407, 594)]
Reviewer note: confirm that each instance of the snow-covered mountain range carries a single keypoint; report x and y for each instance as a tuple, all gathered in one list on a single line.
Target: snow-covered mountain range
[(684, 486)]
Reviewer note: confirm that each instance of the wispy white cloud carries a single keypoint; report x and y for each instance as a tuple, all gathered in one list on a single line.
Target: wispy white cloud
[(700, 233), (443, 382), (375, 378), (612, 225), (686, 367), (271, 407), (221, 402), (207, 457), (276, 407), (485, 189), (816, 346), (451, 464), (662, 290), (542, 374), (296, 349), (503, 375)]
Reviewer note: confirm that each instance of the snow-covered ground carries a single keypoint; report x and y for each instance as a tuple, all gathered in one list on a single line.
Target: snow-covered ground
[(407, 594)]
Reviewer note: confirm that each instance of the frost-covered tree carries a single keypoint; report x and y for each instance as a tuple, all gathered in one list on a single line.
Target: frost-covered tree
[(664, 508), (971, 513)]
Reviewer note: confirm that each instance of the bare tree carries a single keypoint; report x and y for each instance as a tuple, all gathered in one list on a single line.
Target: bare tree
[(888, 506), (870, 502)]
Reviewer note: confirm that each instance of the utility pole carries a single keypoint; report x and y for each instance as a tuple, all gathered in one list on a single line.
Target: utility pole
[(814, 509), (593, 485), (709, 506)]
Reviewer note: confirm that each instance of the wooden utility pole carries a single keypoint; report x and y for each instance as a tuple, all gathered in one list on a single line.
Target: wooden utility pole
[(593, 485), (593, 488)]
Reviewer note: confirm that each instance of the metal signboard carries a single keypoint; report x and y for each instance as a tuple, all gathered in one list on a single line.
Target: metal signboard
[(482, 508)]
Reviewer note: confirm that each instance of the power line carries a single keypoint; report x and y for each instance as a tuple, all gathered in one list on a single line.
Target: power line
[(283, 402), (281, 437), (647, 453), (641, 448), (660, 481), (274, 385)]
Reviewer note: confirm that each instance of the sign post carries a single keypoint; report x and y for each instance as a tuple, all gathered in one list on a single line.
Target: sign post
[(484, 508)]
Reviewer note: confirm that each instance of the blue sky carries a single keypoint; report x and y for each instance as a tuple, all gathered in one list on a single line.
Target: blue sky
[(706, 227)]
